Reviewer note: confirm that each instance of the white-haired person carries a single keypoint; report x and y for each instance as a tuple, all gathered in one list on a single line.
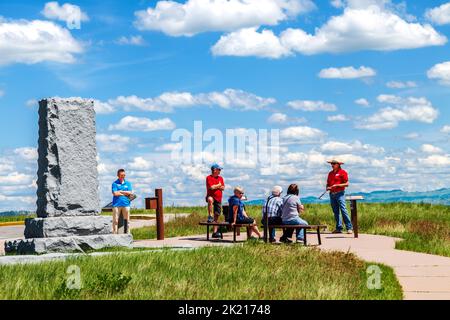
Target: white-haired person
[(237, 214), (272, 210)]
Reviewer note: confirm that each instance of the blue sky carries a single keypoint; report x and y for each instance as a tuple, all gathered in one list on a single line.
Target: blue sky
[(364, 80)]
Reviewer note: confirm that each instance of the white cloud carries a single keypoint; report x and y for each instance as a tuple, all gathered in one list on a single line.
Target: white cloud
[(132, 40), (411, 136), (440, 72), (32, 103), (169, 147), (366, 25), (445, 129), (130, 123), (168, 101), (69, 13), (405, 109), (362, 102), (401, 85), (429, 148), (113, 142), (338, 118), (36, 41), (347, 73), (353, 147), (302, 134), (436, 161), (15, 178), (363, 28), (139, 163), (309, 105), (284, 118), (196, 16), (439, 15), (337, 3), (250, 42), (27, 153), (103, 107)]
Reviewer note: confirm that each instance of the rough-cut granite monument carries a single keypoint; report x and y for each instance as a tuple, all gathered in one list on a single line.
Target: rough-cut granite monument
[(68, 203)]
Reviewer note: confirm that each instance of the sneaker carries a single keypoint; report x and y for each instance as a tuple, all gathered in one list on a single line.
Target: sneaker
[(350, 231), (210, 219), (285, 240), (337, 231), (272, 240), (300, 240), (216, 235)]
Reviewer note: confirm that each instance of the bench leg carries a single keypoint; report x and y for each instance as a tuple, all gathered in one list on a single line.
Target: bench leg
[(234, 234), (249, 232), (318, 236), (304, 238), (207, 232)]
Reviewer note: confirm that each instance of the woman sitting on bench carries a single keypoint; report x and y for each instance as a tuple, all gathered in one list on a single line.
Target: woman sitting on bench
[(237, 214), (292, 208)]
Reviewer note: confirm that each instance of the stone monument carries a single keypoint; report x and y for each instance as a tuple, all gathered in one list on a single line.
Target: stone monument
[(68, 203)]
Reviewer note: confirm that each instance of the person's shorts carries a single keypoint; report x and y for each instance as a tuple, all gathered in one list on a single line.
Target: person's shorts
[(217, 206), (245, 221), (117, 211)]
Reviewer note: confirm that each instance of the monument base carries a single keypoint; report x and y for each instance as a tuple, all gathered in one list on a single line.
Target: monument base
[(67, 226), (68, 244)]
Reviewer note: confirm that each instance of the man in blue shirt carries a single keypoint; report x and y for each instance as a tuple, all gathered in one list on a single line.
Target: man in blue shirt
[(237, 214), (122, 191)]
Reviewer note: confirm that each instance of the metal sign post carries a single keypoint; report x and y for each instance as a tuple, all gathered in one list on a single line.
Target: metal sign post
[(156, 202)]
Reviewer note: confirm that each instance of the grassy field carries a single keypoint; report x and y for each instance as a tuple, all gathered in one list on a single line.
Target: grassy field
[(424, 227), (251, 271)]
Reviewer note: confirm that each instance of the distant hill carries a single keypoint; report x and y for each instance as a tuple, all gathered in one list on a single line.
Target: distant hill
[(441, 196), (15, 213)]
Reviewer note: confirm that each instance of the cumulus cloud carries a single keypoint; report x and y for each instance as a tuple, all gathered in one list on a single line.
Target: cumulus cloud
[(168, 101), (309, 105), (27, 153), (302, 134), (401, 85), (436, 161), (439, 15), (445, 129), (169, 147), (139, 163), (131, 40), (30, 42), (429, 148), (113, 142), (196, 16), (250, 42), (338, 118), (362, 102), (403, 109), (364, 25), (440, 72), (347, 73), (69, 13), (282, 118), (130, 123), (350, 147), (16, 178)]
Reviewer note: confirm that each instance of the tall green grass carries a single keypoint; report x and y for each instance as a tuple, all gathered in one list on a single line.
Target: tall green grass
[(251, 271)]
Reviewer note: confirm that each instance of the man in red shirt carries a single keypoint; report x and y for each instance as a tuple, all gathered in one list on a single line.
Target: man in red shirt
[(214, 189), (336, 183)]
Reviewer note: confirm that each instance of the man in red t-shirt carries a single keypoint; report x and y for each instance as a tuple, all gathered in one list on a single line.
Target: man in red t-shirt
[(336, 183), (214, 189)]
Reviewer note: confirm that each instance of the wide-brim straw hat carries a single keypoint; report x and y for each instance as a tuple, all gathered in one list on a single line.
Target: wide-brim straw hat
[(335, 161)]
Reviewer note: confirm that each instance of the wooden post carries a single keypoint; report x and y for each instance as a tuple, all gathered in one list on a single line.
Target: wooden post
[(159, 215), (354, 212)]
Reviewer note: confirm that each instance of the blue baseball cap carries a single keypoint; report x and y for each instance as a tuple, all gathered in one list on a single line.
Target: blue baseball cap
[(216, 166)]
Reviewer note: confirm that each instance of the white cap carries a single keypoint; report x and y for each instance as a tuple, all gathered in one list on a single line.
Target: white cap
[(277, 190)]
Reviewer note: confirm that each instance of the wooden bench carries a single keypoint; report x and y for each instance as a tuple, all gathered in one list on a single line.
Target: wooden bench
[(300, 226), (235, 228)]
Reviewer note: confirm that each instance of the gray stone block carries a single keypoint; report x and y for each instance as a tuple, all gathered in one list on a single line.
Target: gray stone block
[(68, 244), (67, 226), (67, 165)]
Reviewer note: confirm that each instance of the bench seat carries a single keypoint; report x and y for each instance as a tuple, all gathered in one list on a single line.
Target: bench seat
[(235, 228)]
